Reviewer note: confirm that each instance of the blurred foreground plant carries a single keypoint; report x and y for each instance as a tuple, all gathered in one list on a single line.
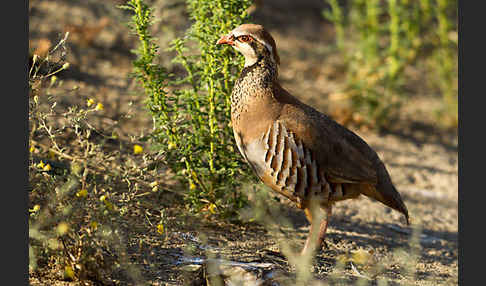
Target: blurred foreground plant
[(381, 39), (191, 113), (74, 181)]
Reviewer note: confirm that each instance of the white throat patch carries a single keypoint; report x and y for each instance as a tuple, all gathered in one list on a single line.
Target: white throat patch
[(244, 49)]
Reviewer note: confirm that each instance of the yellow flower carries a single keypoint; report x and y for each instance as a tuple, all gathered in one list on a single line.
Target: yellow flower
[(155, 186), (212, 208), (160, 228), (47, 167), (94, 225), (32, 149), (99, 106), (82, 193), (137, 149), (107, 203), (62, 228), (361, 256), (68, 272), (53, 80), (192, 186), (34, 209), (40, 165), (171, 145), (90, 102)]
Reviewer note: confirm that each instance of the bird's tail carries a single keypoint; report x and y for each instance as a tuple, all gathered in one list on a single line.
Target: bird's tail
[(385, 192)]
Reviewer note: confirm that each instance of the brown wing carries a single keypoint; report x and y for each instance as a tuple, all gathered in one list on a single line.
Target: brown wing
[(343, 155)]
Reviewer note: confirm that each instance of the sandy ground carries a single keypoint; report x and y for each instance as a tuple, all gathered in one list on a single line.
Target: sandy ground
[(421, 157)]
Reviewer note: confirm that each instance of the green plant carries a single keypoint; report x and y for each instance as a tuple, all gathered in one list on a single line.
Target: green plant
[(191, 112), (76, 181), (445, 59), (381, 39)]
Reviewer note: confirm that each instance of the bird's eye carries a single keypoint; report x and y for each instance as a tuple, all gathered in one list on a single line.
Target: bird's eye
[(244, 38)]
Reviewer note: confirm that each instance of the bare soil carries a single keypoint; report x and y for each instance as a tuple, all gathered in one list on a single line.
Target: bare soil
[(421, 156)]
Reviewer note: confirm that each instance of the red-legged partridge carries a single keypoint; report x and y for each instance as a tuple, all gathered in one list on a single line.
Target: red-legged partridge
[(294, 149)]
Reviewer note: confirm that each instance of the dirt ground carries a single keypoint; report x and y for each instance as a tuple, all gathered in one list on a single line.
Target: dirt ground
[(421, 157)]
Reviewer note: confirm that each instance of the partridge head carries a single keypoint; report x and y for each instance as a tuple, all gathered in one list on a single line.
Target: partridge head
[(294, 149), (253, 42)]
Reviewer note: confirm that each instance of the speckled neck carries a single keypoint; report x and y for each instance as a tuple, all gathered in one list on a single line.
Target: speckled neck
[(255, 81)]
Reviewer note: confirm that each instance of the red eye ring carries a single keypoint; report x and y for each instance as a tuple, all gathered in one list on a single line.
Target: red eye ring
[(244, 38)]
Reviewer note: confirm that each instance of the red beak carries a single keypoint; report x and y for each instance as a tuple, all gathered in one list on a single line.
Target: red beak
[(225, 39)]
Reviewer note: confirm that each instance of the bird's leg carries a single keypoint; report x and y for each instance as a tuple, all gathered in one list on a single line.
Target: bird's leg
[(313, 243), (323, 224)]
